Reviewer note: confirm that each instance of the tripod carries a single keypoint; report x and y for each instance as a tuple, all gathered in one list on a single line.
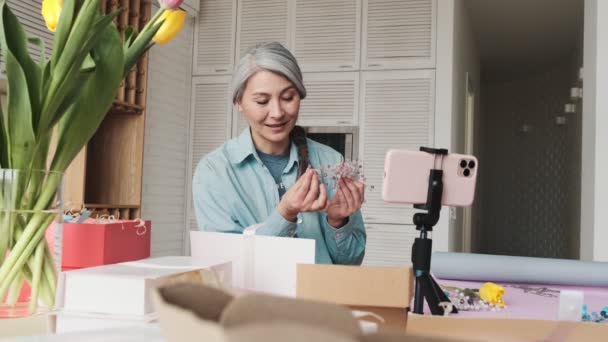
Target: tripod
[(426, 287)]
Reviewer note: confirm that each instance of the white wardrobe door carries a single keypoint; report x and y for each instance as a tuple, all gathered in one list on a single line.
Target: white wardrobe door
[(399, 34), (332, 99), (215, 36), (211, 121), (389, 245), (327, 34), (397, 112), (261, 21)]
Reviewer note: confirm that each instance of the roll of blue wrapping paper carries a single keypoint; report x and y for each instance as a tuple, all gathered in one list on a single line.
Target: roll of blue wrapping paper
[(484, 267)]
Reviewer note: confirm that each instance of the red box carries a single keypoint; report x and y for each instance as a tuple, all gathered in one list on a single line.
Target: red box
[(95, 244)]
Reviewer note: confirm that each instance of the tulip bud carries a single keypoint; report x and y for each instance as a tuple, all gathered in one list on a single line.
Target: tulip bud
[(170, 4), (51, 11), (174, 21)]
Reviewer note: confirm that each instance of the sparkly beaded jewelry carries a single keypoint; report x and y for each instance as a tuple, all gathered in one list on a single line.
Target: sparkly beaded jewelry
[(601, 317), (330, 174), (469, 300)]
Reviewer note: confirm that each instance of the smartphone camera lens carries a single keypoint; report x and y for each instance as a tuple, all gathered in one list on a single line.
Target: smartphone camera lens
[(466, 172), (471, 164), (463, 163)]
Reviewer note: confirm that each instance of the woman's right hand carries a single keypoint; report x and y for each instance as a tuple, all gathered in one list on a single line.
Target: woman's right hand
[(308, 194)]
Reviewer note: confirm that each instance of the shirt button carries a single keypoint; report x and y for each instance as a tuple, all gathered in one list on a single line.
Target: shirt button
[(339, 235), (292, 232), (299, 219)]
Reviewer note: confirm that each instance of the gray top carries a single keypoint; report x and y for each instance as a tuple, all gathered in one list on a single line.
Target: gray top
[(276, 165)]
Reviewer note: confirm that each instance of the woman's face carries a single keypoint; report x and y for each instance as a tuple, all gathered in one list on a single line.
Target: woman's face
[(271, 104)]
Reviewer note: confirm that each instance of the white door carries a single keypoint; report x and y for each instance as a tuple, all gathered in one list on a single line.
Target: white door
[(261, 21), (326, 36), (389, 244), (210, 126), (399, 34), (215, 37), (397, 111), (332, 99)]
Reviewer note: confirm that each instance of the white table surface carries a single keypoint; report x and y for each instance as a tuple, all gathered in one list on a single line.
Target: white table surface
[(150, 332)]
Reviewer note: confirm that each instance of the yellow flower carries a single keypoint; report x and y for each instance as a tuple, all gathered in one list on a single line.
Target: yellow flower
[(51, 10), (492, 294), (174, 21)]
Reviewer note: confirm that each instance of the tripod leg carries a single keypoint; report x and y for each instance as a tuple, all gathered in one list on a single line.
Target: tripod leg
[(419, 297), (431, 295), (441, 295)]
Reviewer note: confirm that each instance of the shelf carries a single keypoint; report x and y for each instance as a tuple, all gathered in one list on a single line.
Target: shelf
[(124, 212), (125, 108), (111, 206)]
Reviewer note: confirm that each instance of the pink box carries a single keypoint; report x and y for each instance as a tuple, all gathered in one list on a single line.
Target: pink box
[(93, 244)]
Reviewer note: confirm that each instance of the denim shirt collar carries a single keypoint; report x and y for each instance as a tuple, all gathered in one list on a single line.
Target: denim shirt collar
[(243, 148)]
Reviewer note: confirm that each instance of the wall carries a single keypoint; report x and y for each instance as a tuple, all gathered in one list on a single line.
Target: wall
[(527, 187), (575, 149), (465, 60), (443, 102), (594, 183), (167, 140)]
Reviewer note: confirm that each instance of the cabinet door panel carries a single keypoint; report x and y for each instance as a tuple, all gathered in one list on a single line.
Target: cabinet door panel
[(397, 112)]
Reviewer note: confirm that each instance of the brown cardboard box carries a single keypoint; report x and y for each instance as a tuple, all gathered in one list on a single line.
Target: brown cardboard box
[(385, 291), (502, 330), (193, 313)]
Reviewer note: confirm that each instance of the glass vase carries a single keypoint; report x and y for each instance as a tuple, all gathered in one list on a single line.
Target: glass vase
[(30, 255)]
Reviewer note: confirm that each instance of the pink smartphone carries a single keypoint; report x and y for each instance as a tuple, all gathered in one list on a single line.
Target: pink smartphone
[(406, 177)]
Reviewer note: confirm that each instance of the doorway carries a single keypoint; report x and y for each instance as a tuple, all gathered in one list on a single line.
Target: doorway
[(527, 141)]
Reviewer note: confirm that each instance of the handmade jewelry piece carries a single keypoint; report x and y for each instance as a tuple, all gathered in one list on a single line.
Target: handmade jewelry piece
[(330, 174), (76, 215), (470, 300), (601, 317)]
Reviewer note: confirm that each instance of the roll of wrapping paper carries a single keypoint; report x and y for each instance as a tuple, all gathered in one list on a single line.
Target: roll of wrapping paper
[(483, 267)]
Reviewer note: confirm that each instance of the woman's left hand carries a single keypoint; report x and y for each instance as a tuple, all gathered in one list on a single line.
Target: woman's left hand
[(347, 201)]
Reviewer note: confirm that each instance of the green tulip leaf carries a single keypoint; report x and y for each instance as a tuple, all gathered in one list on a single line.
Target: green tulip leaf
[(4, 145), (63, 84), (40, 44), (139, 46), (14, 42), (66, 19), (95, 98)]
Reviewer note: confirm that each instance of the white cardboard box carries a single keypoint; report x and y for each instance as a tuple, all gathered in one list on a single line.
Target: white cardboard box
[(123, 289), (259, 263)]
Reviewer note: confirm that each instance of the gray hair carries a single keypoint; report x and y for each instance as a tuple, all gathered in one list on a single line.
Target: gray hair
[(272, 57)]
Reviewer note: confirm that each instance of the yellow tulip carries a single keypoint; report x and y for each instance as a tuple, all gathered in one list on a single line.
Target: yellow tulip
[(51, 10), (174, 21)]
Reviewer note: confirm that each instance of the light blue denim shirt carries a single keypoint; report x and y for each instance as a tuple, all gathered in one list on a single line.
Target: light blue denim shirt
[(232, 190)]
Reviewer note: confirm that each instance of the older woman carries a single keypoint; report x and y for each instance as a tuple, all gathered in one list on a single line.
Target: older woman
[(264, 181)]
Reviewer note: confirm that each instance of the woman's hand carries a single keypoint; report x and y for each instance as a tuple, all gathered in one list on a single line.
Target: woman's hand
[(347, 201), (306, 195)]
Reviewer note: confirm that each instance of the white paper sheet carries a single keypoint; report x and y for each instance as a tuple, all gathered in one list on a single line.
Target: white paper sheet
[(259, 263)]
